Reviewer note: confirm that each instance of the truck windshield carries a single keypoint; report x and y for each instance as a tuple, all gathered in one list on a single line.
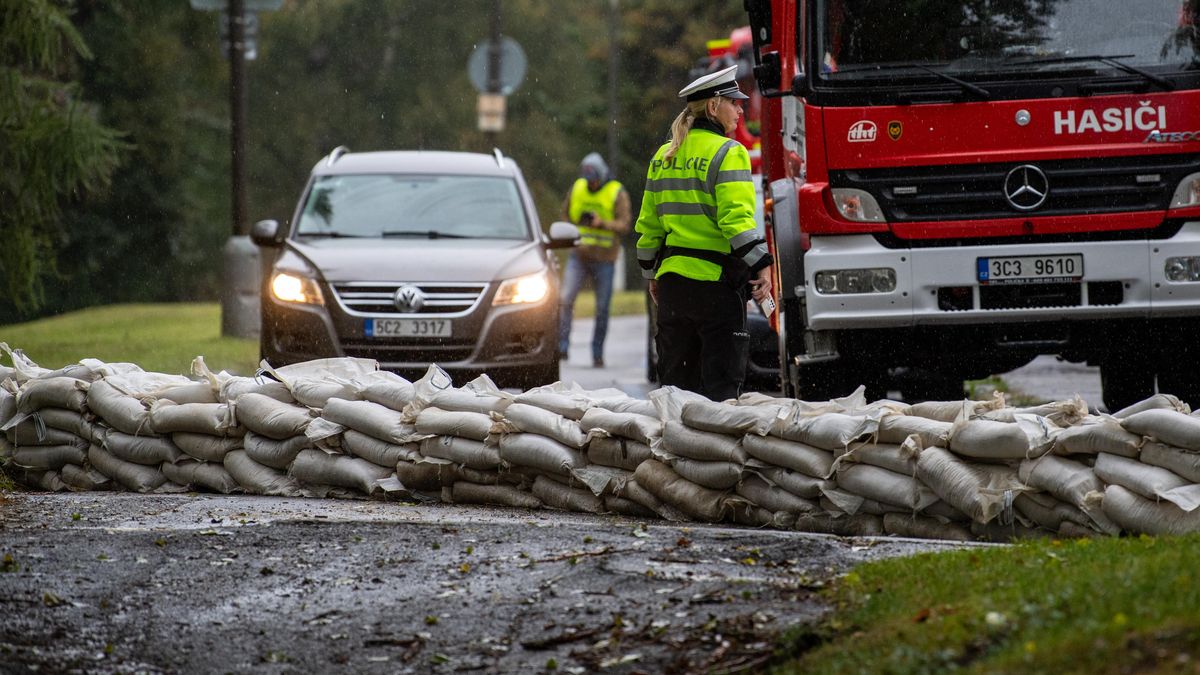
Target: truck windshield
[(378, 205), (868, 40)]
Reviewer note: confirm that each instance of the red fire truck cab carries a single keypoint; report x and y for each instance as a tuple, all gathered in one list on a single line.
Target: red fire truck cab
[(957, 187)]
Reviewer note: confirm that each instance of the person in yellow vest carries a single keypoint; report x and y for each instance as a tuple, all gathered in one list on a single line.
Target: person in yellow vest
[(698, 245), (601, 208)]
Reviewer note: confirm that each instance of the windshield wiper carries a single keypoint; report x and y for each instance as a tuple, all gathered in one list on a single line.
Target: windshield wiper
[(332, 235), (1101, 58), (973, 88), (427, 234)]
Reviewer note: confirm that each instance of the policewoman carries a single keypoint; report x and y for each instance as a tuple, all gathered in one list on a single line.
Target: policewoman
[(698, 244)]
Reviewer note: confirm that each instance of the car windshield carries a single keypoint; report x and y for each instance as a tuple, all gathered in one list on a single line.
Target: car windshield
[(868, 39), (399, 205)]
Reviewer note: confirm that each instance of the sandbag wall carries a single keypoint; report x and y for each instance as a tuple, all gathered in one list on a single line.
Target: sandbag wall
[(960, 470)]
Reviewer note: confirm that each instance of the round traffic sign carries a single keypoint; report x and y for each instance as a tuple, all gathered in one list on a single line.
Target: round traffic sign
[(512, 66)]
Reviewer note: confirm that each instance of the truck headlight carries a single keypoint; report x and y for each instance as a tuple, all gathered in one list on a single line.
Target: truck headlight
[(845, 282), (1188, 192), (288, 287), (1183, 268), (528, 289), (857, 205)]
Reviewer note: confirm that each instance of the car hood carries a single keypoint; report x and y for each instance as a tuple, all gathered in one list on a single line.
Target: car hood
[(478, 260)]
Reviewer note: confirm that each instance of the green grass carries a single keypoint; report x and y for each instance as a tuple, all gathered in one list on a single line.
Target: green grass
[(624, 303), (1083, 606), (162, 338)]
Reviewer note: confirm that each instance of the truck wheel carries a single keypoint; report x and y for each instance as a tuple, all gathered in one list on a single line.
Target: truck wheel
[(1124, 383), (1178, 375), (834, 379)]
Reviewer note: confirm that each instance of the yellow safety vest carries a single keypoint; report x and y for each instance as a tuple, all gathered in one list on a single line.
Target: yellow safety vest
[(702, 198), (603, 203)]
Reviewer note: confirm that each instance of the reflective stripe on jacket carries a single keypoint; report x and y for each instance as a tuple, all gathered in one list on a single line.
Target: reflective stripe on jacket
[(702, 198), (602, 203)]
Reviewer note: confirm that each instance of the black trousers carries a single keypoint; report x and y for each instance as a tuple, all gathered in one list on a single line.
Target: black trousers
[(702, 341)]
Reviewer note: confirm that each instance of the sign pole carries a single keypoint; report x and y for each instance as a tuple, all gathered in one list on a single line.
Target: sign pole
[(237, 112), (493, 78)]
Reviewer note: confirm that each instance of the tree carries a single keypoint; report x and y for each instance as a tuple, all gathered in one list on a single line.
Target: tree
[(52, 148)]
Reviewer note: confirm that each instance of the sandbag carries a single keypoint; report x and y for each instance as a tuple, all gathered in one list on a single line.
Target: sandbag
[(1044, 510), (232, 389), (558, 496), (376, 451), (694, 501), (70, 421), (1158, 401), (830, 431), (1028, 436), (795, 482), (1138, 515), (618, 452), (426, 476), (372, 419), (521, 417), (52, 392), (715, 475), (600, 422), (731, 420), (8, 404), (756, 516), (387, 389), (541, 453), (1179, 461), (135, 477), (205, 448), (85, 480), (463, 492), (885, 486), (982, 491), (863, 525), (1061, 413), (899, 458), (922, 527), (259, 479), (436, 421), (37, 479), (210, 419), (895, 429), (952, 411), (761, 493), (1007, 533), (634, 492), (467, 452), (148, 450), (277, 454), (1166, 425), (637, 406), (321, 468), (626, 507), (705, 446), (208, 475), (33, 432), (1096, 434), (118, 410), (467, 400), (269, 417), (196, 392), (1071, 482), (1151, 482), (47, 457), (793, 455)]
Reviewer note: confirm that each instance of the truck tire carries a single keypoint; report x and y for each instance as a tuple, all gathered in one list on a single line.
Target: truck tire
[(833, 379), (1179, 374), (1125, 382)]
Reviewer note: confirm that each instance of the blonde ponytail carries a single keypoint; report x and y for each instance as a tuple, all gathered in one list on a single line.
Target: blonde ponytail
[(683, 124)]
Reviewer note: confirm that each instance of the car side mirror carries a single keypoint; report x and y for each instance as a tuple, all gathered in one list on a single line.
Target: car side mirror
[(265, 233), (563, 235)]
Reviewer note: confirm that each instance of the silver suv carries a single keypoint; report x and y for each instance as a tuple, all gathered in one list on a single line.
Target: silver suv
[(412, 258)]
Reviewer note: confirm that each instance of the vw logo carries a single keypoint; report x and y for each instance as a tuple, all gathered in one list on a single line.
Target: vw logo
[(1026, 187), (408, 299)]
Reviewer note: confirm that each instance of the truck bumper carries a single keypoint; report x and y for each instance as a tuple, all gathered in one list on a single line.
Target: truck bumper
[(1122, 280)]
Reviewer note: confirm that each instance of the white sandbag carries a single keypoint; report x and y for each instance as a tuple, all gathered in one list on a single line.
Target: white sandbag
[(118, 410), (1044, 510), (436, 389), (1177, 460), (694, 501), (463, 492), (148, 450), (1071, 482), (641, 428), (1138, 515), (135, 477), (795, 482), (259, 479), (801, 457), (372, 419), (952, 411), (321, 468), (705, 446), (85, 479), (896, 428), (8, 404), (1096, 434), (540, 452), (196, 392), (1151, 482), (387, 389), (1165, 425), (731, 420), (637, 406), (900, 458), (210, 419), (864, 525), (234, 388), (376, 451), (521, 417), (464, 451), (668, 402), (773, 498), (618, 452), (1155, 402), (54, 392), (276, 454), (1061, 413), (434, 421), (205, 448), (209, 475), (558, 496), (271, 418), (47, 457), (982, 491), (885, 486), (923, 527), (1028, 436), (569, 399), (715, 475), (830, 431), (23, 367)]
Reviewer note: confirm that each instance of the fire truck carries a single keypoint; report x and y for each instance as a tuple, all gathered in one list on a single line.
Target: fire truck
[(955, 187)]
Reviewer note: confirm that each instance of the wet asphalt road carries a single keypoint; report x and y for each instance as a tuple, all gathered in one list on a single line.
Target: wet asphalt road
[(101, 582)]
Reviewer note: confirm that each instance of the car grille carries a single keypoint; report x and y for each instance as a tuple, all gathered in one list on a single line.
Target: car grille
[(976, 191), (377, 298)]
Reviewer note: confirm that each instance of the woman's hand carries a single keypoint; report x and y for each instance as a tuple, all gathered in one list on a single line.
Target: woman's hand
[(761, 284), (654, 291)]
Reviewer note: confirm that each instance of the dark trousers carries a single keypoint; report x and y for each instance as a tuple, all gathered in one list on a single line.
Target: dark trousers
[(702, 341)]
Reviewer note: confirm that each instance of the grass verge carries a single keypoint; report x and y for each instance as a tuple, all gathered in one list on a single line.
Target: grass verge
[(1090, 605)]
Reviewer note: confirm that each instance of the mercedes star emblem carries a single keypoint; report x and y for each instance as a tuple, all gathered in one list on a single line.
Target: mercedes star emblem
[(1026, 187), (408, 299)]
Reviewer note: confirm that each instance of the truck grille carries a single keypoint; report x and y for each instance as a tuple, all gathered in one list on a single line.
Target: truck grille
[(976, 191), (378, 298)]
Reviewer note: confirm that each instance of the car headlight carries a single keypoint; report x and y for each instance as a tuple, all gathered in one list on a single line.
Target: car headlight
[(288, 287), (845, 282), (528, 289), (1188, 192), (857, 205), (1185, 268)]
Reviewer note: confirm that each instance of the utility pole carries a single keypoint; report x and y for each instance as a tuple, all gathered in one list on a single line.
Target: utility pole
[(237, 112), (493, 73)]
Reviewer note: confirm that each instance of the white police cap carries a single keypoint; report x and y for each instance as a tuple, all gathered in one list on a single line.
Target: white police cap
[(721, 83)]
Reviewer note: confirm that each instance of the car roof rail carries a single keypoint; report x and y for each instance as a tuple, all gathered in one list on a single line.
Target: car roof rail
[(337, 153), (499, 157)]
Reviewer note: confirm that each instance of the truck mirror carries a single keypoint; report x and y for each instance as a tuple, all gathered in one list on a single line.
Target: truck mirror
[(799, 84), (265, 233), (563, 235)]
